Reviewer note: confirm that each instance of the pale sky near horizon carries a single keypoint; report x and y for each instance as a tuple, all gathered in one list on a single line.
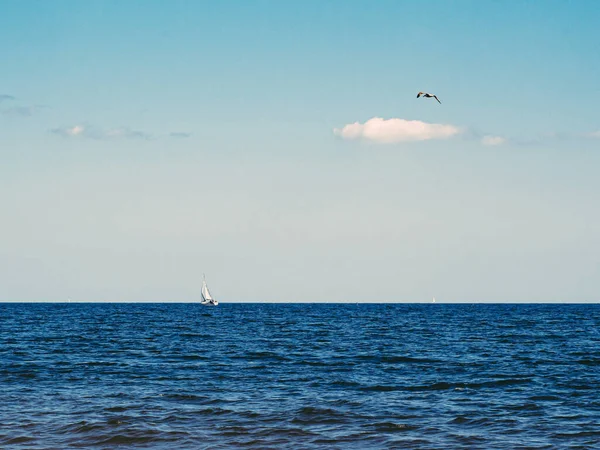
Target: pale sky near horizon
[(279, 148)]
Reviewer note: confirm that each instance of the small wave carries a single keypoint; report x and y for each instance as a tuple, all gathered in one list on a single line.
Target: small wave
[(198, 335), (469, 439), (19, 440), (462, 420), (186, 397), (194, 357), (580, 434), (312, 410), (123, 439), (82, 427), (175, 378), (97, 363), (254, 415), (570, 417), (524, 407), (396, 359), (459, 386), (116, 408), (500, 383), (118, 420), (391, 427), (589, 362), (256, 367), (544, 398), (262, 355), (352, 440), (212, 411), (344, 384), (432, 387), (312, 363), (258, 443), (380, 388), (174, 418), (233, 431), (287, 432), (408, 359), (580, 387), (313, 415), (29, 375)]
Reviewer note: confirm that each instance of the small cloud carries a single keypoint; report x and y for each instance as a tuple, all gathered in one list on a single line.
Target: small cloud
[(5, 97), (180, 134), (558, 136), (125, 132), (86, 131), (594, 135), (564, 136), (493, 140), (25, 111), (396, 130), (77, 130)]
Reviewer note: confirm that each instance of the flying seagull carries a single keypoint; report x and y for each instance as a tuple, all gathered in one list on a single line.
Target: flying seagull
[(428, 95)]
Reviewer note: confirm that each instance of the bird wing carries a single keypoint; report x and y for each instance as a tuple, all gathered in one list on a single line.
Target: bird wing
[(435, 96), (419, 94)]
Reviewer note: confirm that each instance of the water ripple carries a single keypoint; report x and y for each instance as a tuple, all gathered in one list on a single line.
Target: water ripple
[(258, 376)]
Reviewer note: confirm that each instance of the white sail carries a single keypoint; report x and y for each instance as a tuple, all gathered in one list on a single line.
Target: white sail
[(205, 292), (207, 299)]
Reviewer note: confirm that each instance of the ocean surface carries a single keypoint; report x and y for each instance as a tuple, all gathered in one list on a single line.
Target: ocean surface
[(299, 376)]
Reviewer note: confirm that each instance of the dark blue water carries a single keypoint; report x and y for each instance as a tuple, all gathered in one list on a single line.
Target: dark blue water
[(167, 376)]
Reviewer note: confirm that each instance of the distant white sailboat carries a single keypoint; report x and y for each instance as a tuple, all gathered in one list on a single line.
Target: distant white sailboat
[(207, 299), (433, 301)]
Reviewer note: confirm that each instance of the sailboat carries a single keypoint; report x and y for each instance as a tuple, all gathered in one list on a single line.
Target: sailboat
[(433, 301), (207, 299)]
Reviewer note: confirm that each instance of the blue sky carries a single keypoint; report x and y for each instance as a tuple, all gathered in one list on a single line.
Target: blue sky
[(279, 148)]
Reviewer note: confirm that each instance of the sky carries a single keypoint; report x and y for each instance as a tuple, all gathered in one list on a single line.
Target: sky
[(279, 148)]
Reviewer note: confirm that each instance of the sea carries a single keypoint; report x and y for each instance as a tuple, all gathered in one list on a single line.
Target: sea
[(299, 376)]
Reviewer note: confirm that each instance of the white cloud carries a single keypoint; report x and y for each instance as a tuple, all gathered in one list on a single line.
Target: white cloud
[(180, 134), (5, 97), (396, 130), (75, 131), (124, 132), (86, 131), (493, 140), (20, 111), (594, 135)]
